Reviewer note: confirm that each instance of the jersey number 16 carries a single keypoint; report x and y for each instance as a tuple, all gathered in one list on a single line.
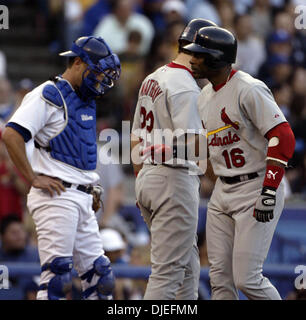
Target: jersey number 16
[(234, 157)]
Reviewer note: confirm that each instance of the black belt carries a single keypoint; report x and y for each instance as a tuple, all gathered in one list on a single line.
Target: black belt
[(80, 187), (240, 178)]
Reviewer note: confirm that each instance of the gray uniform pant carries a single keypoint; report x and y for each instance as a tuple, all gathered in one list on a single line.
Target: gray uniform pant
[(169, 201), (237, 244)]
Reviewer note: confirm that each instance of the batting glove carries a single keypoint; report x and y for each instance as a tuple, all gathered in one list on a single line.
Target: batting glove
[(265, 204)]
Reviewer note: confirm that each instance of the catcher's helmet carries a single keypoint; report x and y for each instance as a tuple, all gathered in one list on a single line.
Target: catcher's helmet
[(192, 27), (217, 44), (100, 59)]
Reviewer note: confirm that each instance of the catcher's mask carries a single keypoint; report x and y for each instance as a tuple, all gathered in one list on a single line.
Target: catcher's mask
[(100, 59)]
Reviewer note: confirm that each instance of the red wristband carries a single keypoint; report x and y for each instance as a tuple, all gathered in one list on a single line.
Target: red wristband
[(273, 176)]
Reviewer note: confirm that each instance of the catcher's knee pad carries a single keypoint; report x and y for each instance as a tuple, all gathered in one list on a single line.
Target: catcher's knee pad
[(61, 283), (105, 280)]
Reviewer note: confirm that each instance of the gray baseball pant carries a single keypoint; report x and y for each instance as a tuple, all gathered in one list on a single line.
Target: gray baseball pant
[(169, 201), (237, 244)]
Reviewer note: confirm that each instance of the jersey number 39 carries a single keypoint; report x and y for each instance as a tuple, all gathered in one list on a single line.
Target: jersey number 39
[(234, 158)]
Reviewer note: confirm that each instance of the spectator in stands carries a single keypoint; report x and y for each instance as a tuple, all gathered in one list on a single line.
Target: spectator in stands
[(2, 65), (152, 9), (226, 11), (284, 21), (205, 9), (251, 50), (296, 294), (173, 11), (12, 187), (7, 105), (115, 27), (114, 245), (160, 54), (111, 179), (73, 12), (14, 248), (278, 65), (132, 66), (298, 85), (24, 86), (280, 42), (31, 288), (140, 256), (283, 96), (94, 14), (53, 13), (261, 18), (174, 31), (297, 175), (276, 70)]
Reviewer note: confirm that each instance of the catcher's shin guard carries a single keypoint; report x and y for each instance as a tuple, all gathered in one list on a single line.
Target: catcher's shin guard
[(61, 283), (100, 278)]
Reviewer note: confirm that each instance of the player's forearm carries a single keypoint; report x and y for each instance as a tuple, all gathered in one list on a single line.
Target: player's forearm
[(280, 150), (210, 172), (16, 148)]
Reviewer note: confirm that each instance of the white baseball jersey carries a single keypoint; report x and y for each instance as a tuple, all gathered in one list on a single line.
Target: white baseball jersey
[(44, 121), (237, 116), (167, 100)]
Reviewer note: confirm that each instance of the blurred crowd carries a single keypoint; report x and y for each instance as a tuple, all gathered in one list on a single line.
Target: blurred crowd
[(144, 34)]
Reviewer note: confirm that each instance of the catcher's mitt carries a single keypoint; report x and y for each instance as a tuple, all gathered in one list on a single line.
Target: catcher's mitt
[(97, 193)]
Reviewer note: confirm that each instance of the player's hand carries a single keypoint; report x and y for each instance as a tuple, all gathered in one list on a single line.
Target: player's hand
[(159, 153), (265, 204), (49, 184)]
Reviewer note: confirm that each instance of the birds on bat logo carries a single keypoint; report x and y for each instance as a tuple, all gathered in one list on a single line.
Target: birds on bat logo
[(225, 118)]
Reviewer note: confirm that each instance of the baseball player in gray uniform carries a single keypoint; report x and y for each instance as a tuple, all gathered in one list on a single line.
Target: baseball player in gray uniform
[(249, 144), (168, 196), (60, 115)]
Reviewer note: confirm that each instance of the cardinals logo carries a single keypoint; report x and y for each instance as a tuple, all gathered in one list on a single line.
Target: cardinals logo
[(225, 118), (228, 124)]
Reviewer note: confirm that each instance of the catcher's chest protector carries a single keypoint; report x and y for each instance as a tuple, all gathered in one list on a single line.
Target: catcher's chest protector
[(76, 143)]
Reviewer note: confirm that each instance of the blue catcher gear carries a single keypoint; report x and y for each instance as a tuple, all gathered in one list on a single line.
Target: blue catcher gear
[(61, 283), (101, 61), (106, 281), (76, 143)]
